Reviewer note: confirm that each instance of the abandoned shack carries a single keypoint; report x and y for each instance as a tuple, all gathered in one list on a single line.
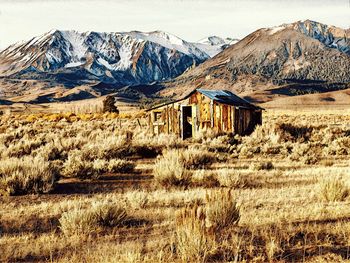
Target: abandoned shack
[(220, 110)]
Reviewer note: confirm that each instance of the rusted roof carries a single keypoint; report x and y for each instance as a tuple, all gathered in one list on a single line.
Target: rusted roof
[(220, 96), (226, 97)]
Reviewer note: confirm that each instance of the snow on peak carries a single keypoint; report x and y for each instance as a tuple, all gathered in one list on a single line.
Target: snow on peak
[(275, 29), (138, 55), (213, 45), (76, 39), (212, 40), (169, 41)]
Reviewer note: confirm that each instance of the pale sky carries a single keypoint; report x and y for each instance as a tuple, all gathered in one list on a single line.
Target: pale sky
[(188, 19)]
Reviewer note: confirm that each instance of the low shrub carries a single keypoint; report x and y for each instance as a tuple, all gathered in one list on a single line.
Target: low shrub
[(262, 165), (147, 151), (87, 220), (110, 147), (232, 178), (270, 148), (76, 166), (310, 159), (300, 151), (327, 163), (51, 152), (100, 166), (338, 146), (221, 210), (137, 199), (292, 132), (169, 170), (78, 221), (109, 215), (26, 176), (197, 158), (22, 148), (120, 166), (333, 190), (205, 178)]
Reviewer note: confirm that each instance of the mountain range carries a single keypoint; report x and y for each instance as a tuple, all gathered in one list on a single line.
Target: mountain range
[(286, 60)]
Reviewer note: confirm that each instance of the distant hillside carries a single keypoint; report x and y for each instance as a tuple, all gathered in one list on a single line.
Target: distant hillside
[(332, 98)]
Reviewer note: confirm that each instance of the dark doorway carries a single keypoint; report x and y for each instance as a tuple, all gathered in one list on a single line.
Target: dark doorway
[(186, 122)]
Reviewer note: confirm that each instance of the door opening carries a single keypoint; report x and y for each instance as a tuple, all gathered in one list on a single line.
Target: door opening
[(186, 122)]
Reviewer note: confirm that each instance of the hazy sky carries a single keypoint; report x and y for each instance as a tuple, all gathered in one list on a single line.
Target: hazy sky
[(188, 19)]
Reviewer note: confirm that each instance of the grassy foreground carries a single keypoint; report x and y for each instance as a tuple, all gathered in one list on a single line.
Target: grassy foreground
[(90, 190)]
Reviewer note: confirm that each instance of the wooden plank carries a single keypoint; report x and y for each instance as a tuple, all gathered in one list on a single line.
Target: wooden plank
[(233, 119), (224, 117), (229, 129), (220, 118), (150, 123), (194, 119), (211, 114), (168, 119)]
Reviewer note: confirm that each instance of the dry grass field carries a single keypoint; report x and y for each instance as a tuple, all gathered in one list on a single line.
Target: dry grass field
[(84, 188)]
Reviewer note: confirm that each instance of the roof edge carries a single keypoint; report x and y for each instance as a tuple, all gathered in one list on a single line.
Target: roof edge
[(199, 90)]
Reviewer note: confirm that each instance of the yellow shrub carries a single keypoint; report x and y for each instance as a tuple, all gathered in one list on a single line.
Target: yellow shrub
[(32, 118), (54, 117), (85, 117)]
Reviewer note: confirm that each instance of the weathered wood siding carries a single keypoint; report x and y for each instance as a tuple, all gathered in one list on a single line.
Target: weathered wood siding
[(245, 120)]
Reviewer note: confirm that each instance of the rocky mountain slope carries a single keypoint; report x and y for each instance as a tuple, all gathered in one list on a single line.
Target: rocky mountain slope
[(120, 58), (291, 59), (93, 63)]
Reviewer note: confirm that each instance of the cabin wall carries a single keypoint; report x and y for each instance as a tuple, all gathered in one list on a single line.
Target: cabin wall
[(201, 111), (223, 117), (245, 120), (165, 119)]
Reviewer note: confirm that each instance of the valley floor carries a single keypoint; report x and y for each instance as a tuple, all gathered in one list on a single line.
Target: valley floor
[(290, 183)]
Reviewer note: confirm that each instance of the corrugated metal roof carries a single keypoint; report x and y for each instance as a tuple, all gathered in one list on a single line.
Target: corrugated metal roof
[(221, 96), (226, 97)]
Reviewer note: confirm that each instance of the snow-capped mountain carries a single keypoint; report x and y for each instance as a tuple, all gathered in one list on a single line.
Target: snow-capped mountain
[(127, 58), (297, 58), (331, 36), (213, 45)]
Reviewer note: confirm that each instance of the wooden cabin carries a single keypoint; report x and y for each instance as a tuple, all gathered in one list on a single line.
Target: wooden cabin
[(219, 110)]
